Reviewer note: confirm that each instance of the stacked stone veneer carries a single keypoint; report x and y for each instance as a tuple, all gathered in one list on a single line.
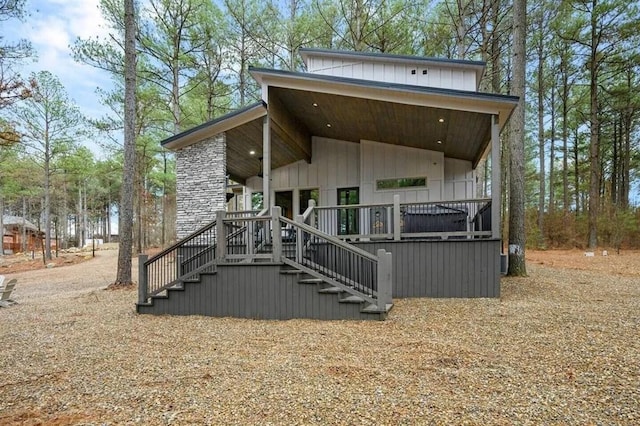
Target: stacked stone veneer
[(200, 183)]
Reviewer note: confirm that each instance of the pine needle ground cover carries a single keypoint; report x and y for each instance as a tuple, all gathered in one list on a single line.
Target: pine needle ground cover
[(559, 347)]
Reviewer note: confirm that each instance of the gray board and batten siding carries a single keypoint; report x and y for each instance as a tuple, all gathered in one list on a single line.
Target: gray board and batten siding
[(257, 291), (461, 268)]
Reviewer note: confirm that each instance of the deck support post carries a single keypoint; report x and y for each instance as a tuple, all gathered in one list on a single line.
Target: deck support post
[(221, 236), (312, 216), (143, 278), (496, 176), (299, 239), (385, 279), (277, 233), (396, 217), (266, 162)]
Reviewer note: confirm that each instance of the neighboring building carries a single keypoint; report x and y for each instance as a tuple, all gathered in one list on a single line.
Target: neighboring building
[(387, 146), (12, 241)]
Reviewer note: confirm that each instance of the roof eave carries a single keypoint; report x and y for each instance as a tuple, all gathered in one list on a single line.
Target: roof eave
[(488, 103), (216, 126)]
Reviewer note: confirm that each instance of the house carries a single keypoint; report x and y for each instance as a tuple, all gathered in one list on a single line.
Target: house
[(367, 168), (15, 230)]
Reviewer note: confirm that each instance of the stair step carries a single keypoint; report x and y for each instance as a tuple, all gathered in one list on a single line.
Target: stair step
[(290, 271), (331, 290), (352, 299), (311, 281), (373, 309)]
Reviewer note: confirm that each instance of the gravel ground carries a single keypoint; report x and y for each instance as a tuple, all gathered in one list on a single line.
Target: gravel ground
[(559, 347)]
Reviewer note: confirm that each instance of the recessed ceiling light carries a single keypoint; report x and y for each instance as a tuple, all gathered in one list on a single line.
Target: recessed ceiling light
[(252, 152), (439, 141), (441, 120), (315, 104), (328, 124)]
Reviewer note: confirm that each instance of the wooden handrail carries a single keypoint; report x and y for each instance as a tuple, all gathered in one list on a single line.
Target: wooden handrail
[(181, 242), (333, 240)]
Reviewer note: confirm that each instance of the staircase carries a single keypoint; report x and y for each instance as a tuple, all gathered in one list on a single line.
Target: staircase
[(324, 287), (265, 267)]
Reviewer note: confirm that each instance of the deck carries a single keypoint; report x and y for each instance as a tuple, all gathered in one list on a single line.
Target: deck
[(340, 262)]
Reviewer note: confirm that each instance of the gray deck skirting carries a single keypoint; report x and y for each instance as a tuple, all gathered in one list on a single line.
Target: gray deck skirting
[(421, 268), (257, 291), (443, 268)]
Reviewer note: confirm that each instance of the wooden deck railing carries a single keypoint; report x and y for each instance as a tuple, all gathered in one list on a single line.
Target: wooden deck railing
[(190, 256), (315, 242), (177, 263), (438, 219)]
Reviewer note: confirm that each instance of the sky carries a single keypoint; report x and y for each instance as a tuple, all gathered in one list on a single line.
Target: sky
[(52, 26)]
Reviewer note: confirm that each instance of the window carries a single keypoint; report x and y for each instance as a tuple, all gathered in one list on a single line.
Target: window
[(257, 201), (400, 183), (305, 196)]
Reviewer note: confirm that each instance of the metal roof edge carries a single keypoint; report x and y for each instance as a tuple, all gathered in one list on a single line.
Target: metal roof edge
[(257, 72), (224, 122), (306, 51)]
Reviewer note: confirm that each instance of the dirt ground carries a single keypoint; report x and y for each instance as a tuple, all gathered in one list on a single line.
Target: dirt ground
[(625, 263), (558, 347), (622, 263)]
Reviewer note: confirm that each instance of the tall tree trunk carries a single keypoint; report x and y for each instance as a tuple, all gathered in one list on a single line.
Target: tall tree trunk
[(626, 137), (517, 236), (565, 135), (552, 152), (24, 225), (1, 226), (576, 171), (614, 164), (594, 142), (541, 159), (125, 227), (47, 194)]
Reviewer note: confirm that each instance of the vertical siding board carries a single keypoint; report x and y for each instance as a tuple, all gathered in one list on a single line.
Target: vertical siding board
[(460, 267), (439, 254), (477, 272), (486, 253), (216, 291), (442, 268), (208, 293), (435, 287), (296, 312), (451, 267), (469, 284), (481, 273), (248, 304), (291, 297), (415, 279), (223, 295), (489, 270), (232, 288), (307, 302)]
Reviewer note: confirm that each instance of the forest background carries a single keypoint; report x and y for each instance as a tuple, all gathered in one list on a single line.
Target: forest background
[(582, 162)]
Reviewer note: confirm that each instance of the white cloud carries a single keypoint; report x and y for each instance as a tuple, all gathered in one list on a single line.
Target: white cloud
[(53, 26)]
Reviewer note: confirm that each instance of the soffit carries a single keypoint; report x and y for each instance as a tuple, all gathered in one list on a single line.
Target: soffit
[(459, 134)]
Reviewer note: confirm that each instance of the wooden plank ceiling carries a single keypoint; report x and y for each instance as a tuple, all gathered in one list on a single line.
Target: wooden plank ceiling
[(459, 134), (297, 115)]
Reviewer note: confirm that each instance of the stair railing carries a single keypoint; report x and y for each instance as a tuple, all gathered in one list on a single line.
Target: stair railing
[(337, 262), (186, 258), (182, 260)]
